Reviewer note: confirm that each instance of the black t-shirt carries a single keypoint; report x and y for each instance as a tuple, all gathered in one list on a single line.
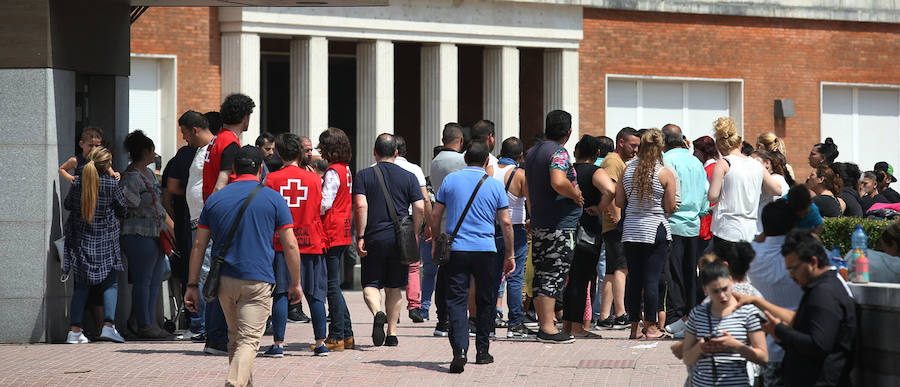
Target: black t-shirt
[(228, 155), (852, 200), (592, 195), (888, 196), (404, 190), (828, 206), (177, 168)]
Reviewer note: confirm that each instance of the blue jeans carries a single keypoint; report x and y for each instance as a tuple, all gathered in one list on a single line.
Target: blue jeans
[(513, 281), (597, 294), (146, 265), (279, 316), (216, 326), (79, 299), (198, 319), (429, 274), (340, 326)]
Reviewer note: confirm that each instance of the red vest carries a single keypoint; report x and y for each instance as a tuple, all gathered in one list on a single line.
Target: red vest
[(302, 190), (337, 218), (213, 162)]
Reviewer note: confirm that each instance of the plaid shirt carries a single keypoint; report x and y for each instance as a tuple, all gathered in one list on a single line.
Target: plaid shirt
[(92, 249)]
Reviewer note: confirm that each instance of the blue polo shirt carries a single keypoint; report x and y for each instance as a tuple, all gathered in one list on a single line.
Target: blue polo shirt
[(251, 253), (477, 231)]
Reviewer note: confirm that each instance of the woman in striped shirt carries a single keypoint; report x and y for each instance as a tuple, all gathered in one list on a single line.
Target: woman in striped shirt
[(648, 189), (721, 336)]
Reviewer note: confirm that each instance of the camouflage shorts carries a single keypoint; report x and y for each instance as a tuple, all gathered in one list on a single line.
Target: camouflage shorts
[(552, 252)]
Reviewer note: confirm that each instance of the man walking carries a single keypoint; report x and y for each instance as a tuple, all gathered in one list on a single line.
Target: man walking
[(247, 277), (556, 205), (447, 161), (613, 287), (473, 250), (377, 245), (685, 225)]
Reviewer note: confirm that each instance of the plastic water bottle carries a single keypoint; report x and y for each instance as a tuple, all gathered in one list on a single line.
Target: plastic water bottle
[(859, 240), (861, 275)]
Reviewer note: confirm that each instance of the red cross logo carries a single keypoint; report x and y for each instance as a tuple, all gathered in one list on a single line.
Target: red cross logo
[(299, 192)]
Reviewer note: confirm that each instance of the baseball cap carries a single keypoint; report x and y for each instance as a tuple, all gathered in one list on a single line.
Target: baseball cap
[(248, 160), (886, 168)]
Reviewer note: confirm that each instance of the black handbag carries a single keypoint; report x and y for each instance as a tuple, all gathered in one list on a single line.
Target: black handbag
[(444, 241), (404, 229), (211, 285)]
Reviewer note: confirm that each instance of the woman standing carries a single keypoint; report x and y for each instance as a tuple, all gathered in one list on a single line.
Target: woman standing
[(824, 183), (334, 145), (648, 189), (143, 222), (768, 160), (91, 251), (705, 151), (768, 141), (736, 185), (597, 189), (849, 176), (823, 153), (721, 335)]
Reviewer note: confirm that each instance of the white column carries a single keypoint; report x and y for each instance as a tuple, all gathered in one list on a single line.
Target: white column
[(309, 87), (240, 74), (561, 86), (374, 96), (440, 96), (501, 91)]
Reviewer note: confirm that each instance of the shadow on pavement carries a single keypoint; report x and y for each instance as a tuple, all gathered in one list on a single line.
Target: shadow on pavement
[(163, 351), (427, 365)]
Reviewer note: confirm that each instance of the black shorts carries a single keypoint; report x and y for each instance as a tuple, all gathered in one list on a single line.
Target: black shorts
[(381, 267), (615, 253)]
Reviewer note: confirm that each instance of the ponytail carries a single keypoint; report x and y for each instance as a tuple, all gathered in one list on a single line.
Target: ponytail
[(90, 184)]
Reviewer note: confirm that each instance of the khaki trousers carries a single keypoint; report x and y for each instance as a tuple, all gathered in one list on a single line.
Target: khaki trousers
[(247, 305)]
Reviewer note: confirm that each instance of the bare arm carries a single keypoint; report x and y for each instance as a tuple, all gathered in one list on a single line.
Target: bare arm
[(418, 214), (509, 261), (620, 196), (770, 185), (360, 217), (65, 167), (607, 189), (692, 349), (667, 180), (173, 185), (168, 202), (429, 225), (715, 184), (783, 314), (222, 180), (292, 258), (436, 213), (564, 187)]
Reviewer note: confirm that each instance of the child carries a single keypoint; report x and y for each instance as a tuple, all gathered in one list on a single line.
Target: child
[(91, 137)]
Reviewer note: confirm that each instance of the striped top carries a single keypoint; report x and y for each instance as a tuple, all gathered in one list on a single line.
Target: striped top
[(731, 368), (643, 215)]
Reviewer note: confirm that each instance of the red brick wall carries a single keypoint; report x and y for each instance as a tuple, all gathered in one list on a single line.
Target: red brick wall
[(776, 58), (192, 35)]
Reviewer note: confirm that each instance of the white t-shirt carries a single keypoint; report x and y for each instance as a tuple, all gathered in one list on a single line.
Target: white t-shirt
[(194, 191), (735, 216), (411, 168)]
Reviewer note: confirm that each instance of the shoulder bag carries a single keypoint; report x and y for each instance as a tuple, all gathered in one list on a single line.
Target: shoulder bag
[(211, 286), (404, 229), (444, 241), (166, 240)]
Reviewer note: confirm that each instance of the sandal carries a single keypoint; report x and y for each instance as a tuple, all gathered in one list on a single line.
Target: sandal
[(662, 336), (639, 335)]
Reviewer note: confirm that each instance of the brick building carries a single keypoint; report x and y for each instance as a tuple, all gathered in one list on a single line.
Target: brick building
[(686, 63)]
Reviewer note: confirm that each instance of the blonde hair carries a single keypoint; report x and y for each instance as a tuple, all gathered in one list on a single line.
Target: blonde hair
[(726, 135), (771, 142), (650, 154), (98, 160)]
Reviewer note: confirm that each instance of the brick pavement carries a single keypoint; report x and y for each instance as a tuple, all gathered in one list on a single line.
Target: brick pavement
[(420, 359)]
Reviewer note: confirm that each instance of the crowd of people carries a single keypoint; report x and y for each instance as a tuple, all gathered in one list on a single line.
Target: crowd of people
[(713, 241)]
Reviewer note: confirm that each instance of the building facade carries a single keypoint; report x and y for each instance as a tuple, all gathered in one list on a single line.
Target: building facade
[(412, 66)]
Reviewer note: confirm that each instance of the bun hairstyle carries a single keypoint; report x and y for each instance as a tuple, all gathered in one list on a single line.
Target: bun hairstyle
[(828, 150), (726, 135), (650, 154), (98, 160), (771, 142), (738, 255)]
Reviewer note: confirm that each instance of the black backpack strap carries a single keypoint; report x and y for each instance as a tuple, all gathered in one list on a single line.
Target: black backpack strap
[(469, 204), (237, 220), (511, 176), (387, 198)]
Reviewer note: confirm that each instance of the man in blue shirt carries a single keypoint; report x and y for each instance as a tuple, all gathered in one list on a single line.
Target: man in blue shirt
[(685, 223), (376, 245), (473, 251), (247, 275)]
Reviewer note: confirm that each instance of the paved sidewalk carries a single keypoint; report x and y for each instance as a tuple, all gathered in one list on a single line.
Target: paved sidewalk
[(421, 359)]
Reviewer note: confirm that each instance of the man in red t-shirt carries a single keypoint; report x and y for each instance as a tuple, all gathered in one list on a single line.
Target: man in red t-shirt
[(302, 190), (235, 112)]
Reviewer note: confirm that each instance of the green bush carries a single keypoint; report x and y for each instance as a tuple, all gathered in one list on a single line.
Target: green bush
[(838, 231)]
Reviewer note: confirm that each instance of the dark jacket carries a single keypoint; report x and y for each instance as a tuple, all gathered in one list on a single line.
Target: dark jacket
[(852, 200)]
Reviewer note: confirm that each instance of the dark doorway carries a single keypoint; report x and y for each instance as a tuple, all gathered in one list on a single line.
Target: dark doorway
[(531, 94), (471, 89), (407, 97), (342, 88), (275, 93)]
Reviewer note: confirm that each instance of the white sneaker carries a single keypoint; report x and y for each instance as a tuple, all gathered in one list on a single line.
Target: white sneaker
[(675, 327), (77, 338), (678, 335), (111, 334)]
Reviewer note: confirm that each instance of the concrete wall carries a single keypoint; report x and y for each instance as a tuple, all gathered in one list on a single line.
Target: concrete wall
[(878, 341), (776, 58)]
